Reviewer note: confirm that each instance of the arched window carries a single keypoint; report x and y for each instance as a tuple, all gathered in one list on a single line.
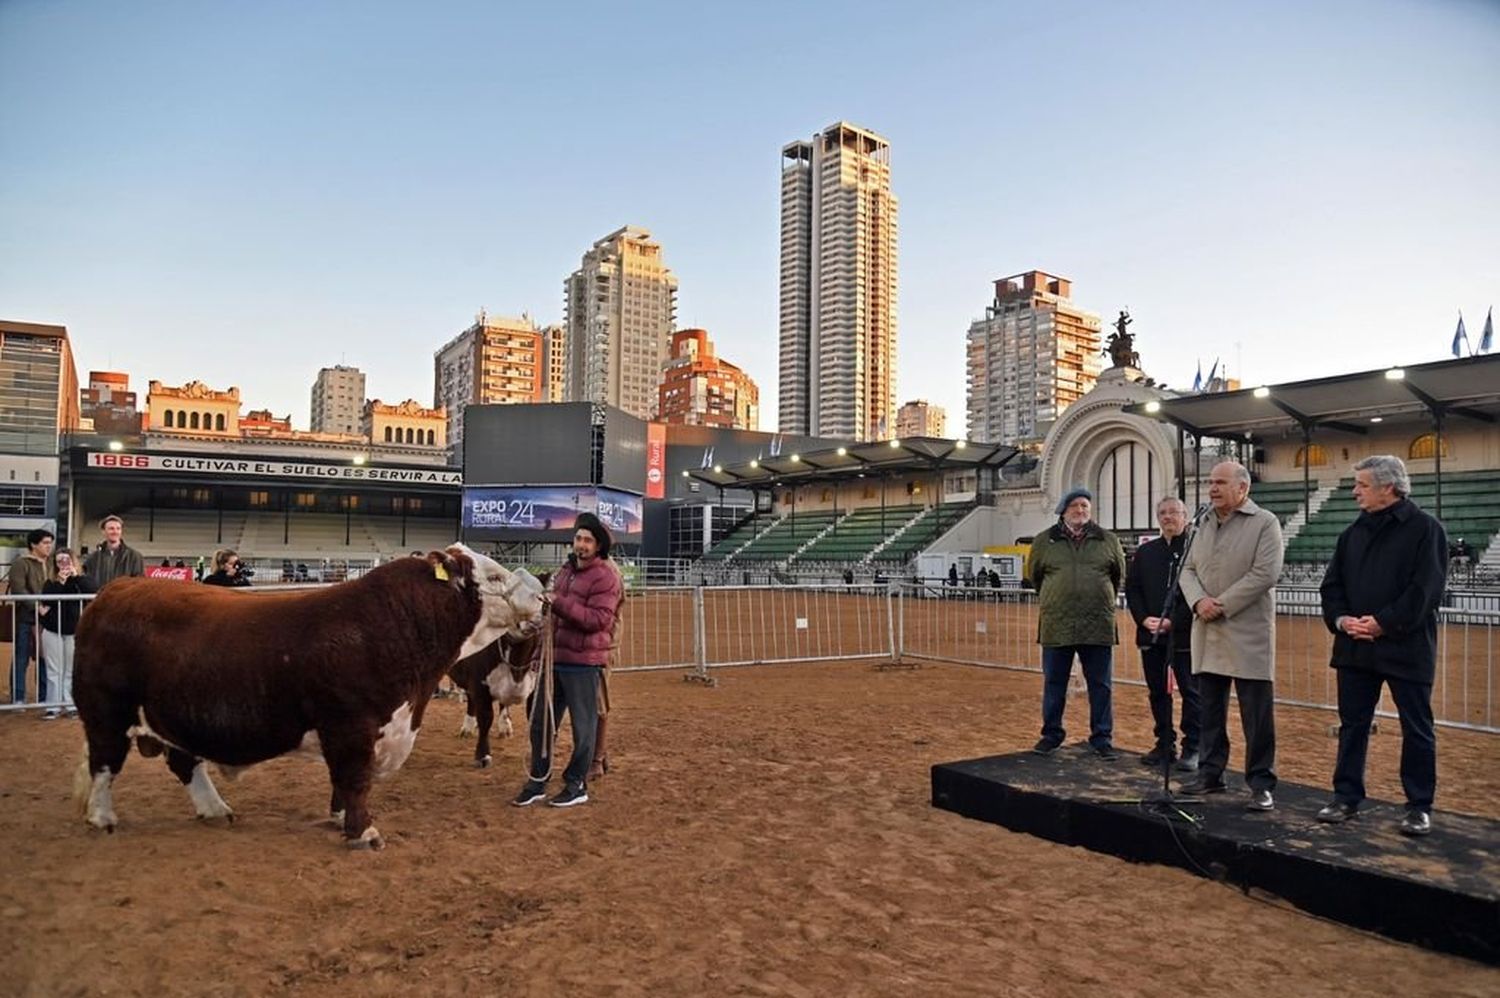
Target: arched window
[(195, 420), (169, 419), (1127, 488), (410, 437), (219, 422), (1424, 447), (387, 434), (208, 420), (1313, 454), (432, 438)]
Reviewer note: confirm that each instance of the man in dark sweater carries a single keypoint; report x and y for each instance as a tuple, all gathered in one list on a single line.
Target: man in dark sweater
[(1146, 595), (1380, 599), (113, 559)]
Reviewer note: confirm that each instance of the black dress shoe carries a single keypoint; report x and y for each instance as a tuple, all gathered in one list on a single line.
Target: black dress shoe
[(1105, 752), (1261, 800), (1046, 747), (1188, 763), (1200, 787), (1416, 822), (1158, 757), (1337, 812)]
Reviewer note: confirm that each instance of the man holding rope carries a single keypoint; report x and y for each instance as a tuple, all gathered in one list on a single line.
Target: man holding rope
[(585, 600)]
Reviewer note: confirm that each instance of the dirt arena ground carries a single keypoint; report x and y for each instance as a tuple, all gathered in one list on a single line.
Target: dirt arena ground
[(770, 836)]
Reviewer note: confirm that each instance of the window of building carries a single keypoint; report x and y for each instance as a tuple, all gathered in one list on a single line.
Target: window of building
[(195, 421), (432, 438), (219, 422), (168, 419), (23, 501), (306, 500), (1424, 447), (259, 499), (387, 434), (1312, 454)]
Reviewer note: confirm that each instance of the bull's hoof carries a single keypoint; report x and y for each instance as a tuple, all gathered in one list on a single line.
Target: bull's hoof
[(482, 762), (369, 839), (226, 814)]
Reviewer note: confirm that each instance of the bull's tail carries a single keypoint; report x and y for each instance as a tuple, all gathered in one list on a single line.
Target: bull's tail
[(83, 781)]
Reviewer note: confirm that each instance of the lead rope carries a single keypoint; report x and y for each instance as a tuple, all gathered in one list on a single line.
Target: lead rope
[(549, 718)]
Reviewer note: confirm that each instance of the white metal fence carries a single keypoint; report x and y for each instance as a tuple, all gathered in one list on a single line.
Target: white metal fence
[(696, 629)]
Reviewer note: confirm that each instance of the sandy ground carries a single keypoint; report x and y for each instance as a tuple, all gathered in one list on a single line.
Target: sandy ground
[(772, 835)]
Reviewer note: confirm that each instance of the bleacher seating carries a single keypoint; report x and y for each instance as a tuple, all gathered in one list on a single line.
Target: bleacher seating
[(781, 541), (742, 532), (181, 533), (1282, 498), (1471, 510), (926, 528), (855, 535)]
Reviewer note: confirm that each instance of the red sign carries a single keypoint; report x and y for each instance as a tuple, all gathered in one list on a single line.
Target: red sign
[(656, 460), (165, 572)]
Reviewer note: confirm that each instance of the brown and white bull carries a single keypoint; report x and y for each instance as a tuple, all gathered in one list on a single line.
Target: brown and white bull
[(500, 674), (238, 678)]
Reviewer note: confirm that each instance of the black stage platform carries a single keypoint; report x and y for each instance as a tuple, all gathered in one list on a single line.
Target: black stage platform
[(1441, 892)]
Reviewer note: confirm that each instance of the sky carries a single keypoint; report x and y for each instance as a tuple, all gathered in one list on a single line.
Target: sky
[(244, 193)]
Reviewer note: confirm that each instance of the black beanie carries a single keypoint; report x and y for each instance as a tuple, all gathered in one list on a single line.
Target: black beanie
[(594, 525)]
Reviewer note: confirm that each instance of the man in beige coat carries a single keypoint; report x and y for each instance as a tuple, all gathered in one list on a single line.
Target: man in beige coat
[(1230, 582)]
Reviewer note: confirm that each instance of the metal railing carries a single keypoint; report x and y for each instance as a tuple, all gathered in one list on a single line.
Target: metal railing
[(697, 628)]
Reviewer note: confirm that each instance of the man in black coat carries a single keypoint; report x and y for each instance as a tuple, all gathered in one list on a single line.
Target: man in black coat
[(1380, 599), (1146, 596)]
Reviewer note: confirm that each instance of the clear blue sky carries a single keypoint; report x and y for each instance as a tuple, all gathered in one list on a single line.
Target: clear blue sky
[(243, 193)]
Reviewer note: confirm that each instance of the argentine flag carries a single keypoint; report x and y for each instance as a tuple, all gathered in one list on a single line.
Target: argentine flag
[(1198, 378), (1460, 335), (1488, 338)]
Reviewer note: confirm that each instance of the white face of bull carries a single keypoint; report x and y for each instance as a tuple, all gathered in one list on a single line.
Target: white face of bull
[(510, 601)]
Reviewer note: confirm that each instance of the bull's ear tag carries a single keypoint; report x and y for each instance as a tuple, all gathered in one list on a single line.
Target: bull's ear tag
[(440, 572)]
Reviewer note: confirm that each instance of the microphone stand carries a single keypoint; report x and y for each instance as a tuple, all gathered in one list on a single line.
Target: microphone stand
[(1167, 801)]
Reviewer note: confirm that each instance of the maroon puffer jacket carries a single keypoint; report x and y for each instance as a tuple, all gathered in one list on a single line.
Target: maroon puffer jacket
[(584, 603)]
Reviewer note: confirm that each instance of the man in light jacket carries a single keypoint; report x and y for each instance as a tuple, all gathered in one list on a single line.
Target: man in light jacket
[(1230, 582)]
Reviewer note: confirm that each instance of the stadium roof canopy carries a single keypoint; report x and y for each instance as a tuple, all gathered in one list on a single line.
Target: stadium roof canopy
[(888, 457), (1468, 388)]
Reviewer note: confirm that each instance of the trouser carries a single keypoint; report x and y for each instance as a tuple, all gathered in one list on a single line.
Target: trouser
[(575, 692), (1359, 692), (23, 647), (1057, 666), (57, 649), (1257, 716), (1154, 665)]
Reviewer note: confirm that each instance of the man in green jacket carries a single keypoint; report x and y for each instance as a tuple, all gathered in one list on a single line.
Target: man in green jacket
[(1077, 568)]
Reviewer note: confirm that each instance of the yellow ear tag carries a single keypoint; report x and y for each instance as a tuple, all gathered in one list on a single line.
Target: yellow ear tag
[(440, 572)]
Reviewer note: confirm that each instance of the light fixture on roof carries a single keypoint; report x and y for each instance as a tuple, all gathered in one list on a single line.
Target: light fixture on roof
[(959, 445), (1262, 392), (115, 445), (1376, 419), (796, 458), (895, 443), (718, 469), (684, 473), (1153, 406), (754, 463), (843, 451), (359, 459), (1395, 374)]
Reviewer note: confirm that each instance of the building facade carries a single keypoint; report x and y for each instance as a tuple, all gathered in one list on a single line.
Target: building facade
[(408, 423), (700, 389), (1032, 355), (555, 363), (621, 309), (193, 408), (838, 286), (338, 399), (496, 361), (39, 397), (109, 405), (921, 418)]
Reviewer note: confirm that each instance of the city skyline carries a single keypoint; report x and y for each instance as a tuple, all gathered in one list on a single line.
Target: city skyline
[(1292, 203)]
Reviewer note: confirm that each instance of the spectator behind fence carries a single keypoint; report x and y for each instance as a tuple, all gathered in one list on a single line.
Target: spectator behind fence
[(58, 625), (227, 570), (1380, 599), (113, 558), (1230, 581), (28, 576)]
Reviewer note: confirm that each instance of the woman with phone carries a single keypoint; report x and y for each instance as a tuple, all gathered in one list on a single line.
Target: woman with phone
[(58, 625)]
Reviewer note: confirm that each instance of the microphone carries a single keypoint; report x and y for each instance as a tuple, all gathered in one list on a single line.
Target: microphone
[(1201, 512)]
